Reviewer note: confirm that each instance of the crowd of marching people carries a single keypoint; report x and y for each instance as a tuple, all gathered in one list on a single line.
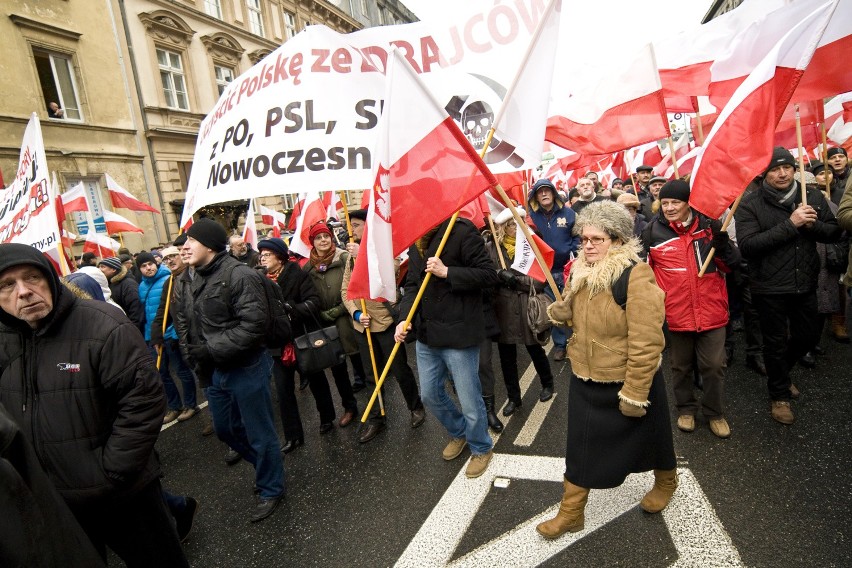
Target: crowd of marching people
[(639, 272)]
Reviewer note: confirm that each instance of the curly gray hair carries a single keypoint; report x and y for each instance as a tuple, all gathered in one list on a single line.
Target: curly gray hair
[(608, 216)]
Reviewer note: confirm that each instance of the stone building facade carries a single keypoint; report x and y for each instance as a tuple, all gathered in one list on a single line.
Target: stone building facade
[(135, 79)]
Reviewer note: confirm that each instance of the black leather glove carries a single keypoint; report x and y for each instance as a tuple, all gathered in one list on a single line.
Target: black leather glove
[(508, 278), (200, 354), (289, 308), (720, 237)]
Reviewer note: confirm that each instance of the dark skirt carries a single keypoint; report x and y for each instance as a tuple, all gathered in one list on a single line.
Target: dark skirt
[(604, 446)]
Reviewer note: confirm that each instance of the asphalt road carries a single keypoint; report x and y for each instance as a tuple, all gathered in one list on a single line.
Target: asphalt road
[(770, 495)]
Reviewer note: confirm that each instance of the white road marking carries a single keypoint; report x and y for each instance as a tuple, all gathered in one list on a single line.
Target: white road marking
[(533, 424), (173, 422), (525, 382), (695, 529)]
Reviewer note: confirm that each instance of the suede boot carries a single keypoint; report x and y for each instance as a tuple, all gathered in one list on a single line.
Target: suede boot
[(570, 517), (493, 422), (838, 328), (665, 483)]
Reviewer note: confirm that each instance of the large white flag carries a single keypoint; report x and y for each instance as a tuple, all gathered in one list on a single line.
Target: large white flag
[(305, 116), (27, 207)]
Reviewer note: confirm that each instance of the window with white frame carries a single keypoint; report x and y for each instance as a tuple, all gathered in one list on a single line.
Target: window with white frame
[(173, 79), (224, 75), (58, 85), (213, 8), (255, 16), (364, 8), (289, 24)]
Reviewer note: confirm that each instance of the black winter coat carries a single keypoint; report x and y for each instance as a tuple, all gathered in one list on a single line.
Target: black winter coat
[(781, 258), (125, 293), (230, 317), (38, 528), (451, 314), (86, 393), (301, 297)]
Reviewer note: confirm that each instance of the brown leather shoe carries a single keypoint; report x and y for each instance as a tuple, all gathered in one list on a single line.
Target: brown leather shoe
[(371, 431), (782, 412), (686, 423), (559, 354), (346, 419), (454, 448), (187, 414), (794, 392), (719, 427), (171, 416), (478, 464)]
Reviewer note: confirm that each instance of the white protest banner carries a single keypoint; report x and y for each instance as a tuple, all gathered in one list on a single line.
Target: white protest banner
[(27, 208), (304, 117)]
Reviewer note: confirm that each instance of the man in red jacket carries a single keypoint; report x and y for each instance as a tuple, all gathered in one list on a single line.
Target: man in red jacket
[(676, 243)]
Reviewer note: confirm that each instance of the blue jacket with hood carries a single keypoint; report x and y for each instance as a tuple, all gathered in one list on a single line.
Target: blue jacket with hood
[(556, 226)]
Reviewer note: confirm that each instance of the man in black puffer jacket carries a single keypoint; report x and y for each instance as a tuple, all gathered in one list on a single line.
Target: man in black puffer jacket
[(79, 380), (777, 234), (221, 321)]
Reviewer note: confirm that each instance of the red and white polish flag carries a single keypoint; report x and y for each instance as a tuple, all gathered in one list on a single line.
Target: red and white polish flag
[(827, 73), (425, 171), (684, 59), (273, 218), (332, 205), (739, 146), (250, 230), (525, 261), (122, 198), (115, 223), (74, 199), (621, 107), (100, 244), (312, 211)]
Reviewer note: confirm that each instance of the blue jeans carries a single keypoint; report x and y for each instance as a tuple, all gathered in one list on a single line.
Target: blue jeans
[(558, 334), (172, 362), (241, 405), (471, 423)]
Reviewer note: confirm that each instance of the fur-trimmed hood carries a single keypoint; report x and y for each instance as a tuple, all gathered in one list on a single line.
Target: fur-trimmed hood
[(121, 275), (600, 277)]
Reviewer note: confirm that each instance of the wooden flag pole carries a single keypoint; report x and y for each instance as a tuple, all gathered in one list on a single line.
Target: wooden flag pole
[(727, 222), (454, 218), (165, 320), (825, 161), (363, 309), (700, 127), (801, 157), (410, 315), (528, 234), (674, 158), (496, 244)]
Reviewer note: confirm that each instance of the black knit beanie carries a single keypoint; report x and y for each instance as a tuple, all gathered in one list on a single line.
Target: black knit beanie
[(144, 257), (780, 157), (675, 189), (210, 234)]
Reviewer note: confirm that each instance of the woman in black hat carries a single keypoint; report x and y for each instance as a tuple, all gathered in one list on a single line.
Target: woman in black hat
[(301, 302)]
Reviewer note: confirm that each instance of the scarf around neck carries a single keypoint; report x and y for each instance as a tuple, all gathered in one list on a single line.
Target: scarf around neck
[(317, 260), (786, 198), (509, 243)]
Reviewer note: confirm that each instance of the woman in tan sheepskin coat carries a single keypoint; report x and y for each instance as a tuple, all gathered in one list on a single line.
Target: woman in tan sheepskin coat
[(618, 418)]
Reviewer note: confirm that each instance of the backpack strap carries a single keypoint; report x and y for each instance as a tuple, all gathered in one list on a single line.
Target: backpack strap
[(619, 287)]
